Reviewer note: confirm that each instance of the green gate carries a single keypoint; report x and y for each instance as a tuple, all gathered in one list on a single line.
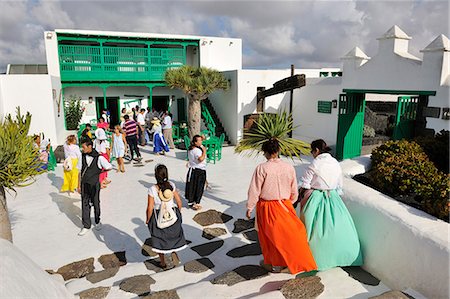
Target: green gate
[(405, 118), (350, 125)]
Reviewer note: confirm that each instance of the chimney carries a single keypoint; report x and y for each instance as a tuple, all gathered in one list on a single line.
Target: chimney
[(437, 56)]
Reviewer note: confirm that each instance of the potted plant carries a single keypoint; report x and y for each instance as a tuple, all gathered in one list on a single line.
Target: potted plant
[(74, 110)]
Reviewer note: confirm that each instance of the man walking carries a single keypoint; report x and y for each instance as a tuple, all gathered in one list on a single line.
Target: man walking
[(91, 164), (167, 129), (141, 126), (130, 128)]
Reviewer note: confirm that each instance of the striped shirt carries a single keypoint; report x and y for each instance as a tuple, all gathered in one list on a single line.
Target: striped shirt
[(130, 127)]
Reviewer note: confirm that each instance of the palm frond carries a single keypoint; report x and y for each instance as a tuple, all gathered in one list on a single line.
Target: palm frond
[(268, 126)]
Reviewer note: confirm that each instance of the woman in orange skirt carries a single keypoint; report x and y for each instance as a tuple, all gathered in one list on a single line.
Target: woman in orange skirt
[(282, 236)]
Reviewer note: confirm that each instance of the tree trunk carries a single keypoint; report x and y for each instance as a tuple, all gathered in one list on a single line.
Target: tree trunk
[(5, 225), (194, 118)]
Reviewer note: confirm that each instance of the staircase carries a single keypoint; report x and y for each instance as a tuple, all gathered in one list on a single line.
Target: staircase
[(219, 129)]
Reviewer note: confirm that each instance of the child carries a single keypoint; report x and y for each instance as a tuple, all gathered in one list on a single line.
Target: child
[(159, 142), (101, 145), (102, 124), (43, 148), (72, 154), (86, 134), (119, 144)]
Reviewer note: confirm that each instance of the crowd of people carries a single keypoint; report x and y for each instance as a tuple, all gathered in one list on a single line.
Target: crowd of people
[(302, 227)]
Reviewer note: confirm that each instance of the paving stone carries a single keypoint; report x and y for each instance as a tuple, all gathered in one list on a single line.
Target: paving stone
[(392, 295), (102, 275), (95, 293), (243, 224), (251, 235), (167, 294), (298, 288), (51, 272), (210, 217), (198, 265), (188, 242), (113, 260), (149, 160), (246, 250), (139, 284), (147, 249), (138, 165), (242, 273), (77, 269), (213, 232), (207, 248), (154, 264), (362, 276)]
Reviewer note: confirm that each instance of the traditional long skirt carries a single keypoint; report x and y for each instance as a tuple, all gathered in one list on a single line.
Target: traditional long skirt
[(169, 239), (71, 178), (282, 236), (195, 185), (331, 232), (104, 174), (159, 143)]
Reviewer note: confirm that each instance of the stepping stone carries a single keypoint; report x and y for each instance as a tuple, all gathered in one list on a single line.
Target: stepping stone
[(51, 272), (213, 232), (246, 250), (188, 242), (138, 165), (210, 217), (392, 295), (299, 288), (362, 276), (113, 260), (102, 275), (147, 249), (199, 265), (149, 160), (139, 284), (95, 293), (207, 248), (242, 273), (167, 294), (243, 224), (251, 235), (77, 269), (153, 264)]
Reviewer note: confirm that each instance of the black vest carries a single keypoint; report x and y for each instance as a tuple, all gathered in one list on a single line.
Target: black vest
[(90, 175)]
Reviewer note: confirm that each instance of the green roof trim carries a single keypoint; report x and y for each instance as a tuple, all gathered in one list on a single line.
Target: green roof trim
[(387, 91)]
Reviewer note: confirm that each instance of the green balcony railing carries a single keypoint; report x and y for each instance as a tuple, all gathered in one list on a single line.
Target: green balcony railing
[(104, 63)]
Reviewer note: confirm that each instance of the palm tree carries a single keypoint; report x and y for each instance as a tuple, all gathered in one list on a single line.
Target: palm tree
[(277, 126), (198, 83), (19, 162)]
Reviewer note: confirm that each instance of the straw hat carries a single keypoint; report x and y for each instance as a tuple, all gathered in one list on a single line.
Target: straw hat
[(155, 121), (100, 134), (165, 196)]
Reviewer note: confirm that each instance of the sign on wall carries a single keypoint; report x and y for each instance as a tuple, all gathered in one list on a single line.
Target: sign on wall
[(324, 106)]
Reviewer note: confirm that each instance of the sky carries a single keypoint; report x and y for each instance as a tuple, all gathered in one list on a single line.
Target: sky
[(275, 34)]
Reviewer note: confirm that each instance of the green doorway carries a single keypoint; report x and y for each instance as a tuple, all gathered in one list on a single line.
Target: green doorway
[(113, 108), (160, 103)]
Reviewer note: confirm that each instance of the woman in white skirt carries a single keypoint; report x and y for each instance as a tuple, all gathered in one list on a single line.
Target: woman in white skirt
[(169, 239)]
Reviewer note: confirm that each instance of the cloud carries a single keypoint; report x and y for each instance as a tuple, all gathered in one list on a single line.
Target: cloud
[(274, 33)]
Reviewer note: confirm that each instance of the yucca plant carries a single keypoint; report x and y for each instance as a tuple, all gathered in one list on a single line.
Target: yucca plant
[(277, 126), (19, 162), (198, 83)]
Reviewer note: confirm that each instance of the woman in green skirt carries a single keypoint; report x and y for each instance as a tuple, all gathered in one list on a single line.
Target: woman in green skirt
[(332, 235)]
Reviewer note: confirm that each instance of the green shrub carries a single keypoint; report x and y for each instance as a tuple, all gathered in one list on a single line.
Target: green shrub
[(368, 131), (73, 111), (402, 167), (437, 149)]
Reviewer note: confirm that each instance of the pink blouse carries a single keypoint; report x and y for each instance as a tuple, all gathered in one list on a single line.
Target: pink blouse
[(272, 180)]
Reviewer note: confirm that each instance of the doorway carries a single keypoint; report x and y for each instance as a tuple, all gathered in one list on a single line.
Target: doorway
[(113, 108), (160, 103)]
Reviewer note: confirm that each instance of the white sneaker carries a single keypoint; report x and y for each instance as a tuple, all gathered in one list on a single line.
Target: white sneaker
[(98, 226), (83, 231)]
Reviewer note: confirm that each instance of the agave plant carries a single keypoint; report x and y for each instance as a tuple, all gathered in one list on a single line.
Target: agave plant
[(273, 126)]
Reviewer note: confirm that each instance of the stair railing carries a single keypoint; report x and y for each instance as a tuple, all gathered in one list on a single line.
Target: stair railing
[(209, 121)]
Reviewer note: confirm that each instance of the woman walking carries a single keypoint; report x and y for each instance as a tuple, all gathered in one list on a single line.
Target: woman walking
[(331, 232), (282, 235), (161, 200), (196, 176), (119, 144), (101, 145), (72, 155), (160, 146)]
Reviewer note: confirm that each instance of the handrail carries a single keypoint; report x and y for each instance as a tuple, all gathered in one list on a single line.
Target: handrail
[(209, 121)]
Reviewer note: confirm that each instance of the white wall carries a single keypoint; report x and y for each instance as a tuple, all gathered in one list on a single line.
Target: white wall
[(34, 93), (51, 52), (222, 54)]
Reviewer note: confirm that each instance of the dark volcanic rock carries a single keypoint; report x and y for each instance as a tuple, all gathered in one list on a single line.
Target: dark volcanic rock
[(246, 250), (167, 294), (298, 288), (154, 264), (139, 284), (210, 217), (199, 265), (113, 260), (213, 232), (392, 295), (242, 224), (251, 235), (102, 275), (362, 276), (95, 293), (147, 249), (207, 248), (242, 273), (77, 269)]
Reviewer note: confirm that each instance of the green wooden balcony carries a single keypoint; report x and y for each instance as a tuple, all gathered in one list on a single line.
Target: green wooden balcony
[(103, 63)]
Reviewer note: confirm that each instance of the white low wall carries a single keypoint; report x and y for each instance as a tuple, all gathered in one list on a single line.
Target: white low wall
[(402, 246)]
